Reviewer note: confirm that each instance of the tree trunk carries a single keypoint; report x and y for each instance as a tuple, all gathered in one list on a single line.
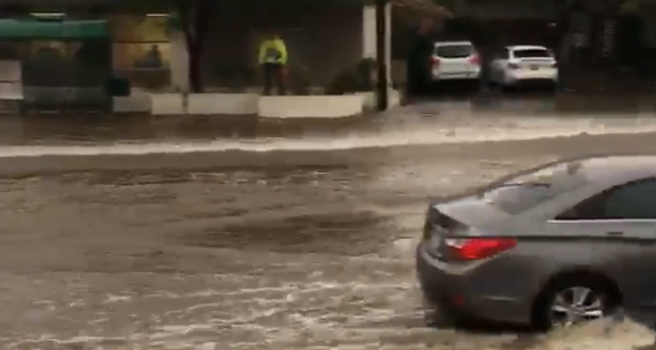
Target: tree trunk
[(196, 84), (195, 16), (194, 52)]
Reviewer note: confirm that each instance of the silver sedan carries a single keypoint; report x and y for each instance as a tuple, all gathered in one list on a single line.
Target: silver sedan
[(560, 244)]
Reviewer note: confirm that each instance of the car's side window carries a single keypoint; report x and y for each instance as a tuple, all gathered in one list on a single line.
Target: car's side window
[(589, 209), (635, 200)]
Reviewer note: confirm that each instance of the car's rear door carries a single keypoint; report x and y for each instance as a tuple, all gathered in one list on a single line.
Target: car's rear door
[(622, 223)]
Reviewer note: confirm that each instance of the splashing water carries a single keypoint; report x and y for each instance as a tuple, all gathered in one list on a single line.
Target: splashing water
[(599, 335)]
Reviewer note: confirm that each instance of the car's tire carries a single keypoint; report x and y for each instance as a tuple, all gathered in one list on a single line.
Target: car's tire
[(557, 306)]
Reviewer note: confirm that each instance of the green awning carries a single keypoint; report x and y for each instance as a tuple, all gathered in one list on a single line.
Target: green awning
[(40, 29)]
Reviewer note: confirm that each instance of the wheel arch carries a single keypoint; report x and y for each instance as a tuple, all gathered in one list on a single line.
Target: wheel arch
[(576, 273)]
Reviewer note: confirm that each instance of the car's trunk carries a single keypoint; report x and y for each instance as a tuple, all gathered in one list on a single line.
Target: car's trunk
[(460, 217)]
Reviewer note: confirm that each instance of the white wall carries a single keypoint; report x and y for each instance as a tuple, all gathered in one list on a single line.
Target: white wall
[(179, 62), (369, 35), (324, 107), (221, 104)]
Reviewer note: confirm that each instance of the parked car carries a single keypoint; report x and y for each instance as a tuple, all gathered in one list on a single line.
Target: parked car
[(521, 64), (455, 60), (560, 244)]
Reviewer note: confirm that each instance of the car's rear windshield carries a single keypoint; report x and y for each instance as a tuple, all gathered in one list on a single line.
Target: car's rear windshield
[(528, 190), (532, 53), (454, 50)]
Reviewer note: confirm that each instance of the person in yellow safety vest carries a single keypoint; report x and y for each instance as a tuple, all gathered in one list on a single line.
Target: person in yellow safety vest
[(273, 60)]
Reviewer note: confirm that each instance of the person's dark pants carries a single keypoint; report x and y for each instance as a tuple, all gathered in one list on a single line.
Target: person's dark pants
[(418, 81), (274, 74), (485, 78)]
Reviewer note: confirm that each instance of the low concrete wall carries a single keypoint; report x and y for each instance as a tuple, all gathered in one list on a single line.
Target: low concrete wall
[(167, 104), (319, 106), (310, 106), (136, 103), (204, 104), (223, 104)]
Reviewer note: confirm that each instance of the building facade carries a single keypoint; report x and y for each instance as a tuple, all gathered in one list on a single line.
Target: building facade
[(323, 41)]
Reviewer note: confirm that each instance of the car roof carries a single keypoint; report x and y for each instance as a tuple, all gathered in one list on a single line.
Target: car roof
[(452, 43), (614, 170), (526, 47)]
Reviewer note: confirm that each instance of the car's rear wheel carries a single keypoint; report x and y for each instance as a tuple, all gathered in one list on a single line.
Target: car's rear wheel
[(572, 301)]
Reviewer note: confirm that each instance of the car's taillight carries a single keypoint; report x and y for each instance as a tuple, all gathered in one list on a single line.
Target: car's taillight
[(435, 61), (477, 248), (474, 59), (513, 66)]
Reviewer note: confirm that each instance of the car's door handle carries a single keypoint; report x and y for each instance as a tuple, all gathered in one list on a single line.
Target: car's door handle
[(615, 233)]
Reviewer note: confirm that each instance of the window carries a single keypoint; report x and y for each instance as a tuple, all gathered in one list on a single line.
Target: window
[(139, 28), (132, 56), (454, 51), (141, 50), (532, 53), (635, 200), (531, 189)]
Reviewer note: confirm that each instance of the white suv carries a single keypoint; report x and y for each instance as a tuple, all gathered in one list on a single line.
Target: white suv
[(455, 60)]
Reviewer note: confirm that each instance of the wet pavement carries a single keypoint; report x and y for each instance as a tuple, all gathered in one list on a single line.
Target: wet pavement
[(297, 244)]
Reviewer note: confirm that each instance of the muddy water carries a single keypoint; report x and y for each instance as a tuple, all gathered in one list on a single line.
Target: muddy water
[(523, 109), (269, 250)]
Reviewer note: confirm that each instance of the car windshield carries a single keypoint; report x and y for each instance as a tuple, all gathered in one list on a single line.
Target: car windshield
[(454, 51), (532, 53), (524, 192)]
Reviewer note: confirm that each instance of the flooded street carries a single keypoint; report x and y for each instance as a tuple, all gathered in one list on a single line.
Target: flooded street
[(249, 245)]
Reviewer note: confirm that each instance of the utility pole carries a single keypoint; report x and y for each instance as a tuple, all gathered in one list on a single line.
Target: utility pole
[(381, 55)]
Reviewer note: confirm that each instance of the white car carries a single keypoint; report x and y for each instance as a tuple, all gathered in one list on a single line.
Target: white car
[(455, 60), (517, 64)]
